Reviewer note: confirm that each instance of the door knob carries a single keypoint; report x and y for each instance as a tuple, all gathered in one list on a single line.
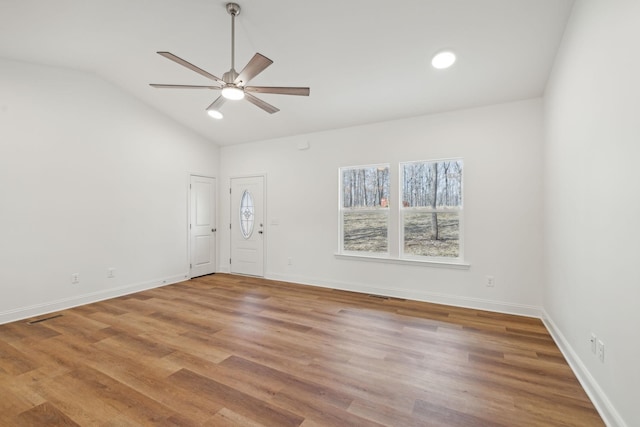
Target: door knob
[(260, 232)]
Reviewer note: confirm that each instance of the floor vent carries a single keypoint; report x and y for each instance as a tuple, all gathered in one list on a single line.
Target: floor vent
[(33, 322), (386, 298), (377, 296)]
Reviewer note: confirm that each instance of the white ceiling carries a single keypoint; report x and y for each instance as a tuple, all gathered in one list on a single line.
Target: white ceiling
[(365, 60)]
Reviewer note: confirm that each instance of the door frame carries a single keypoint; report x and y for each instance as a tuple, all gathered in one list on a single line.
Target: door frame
[(215, 221), (265, 236)]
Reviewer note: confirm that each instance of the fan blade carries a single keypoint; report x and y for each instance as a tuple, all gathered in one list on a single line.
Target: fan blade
[(161, 86), (215, 105), (301, 91), (260, 103), (190, 66), (257, 65)]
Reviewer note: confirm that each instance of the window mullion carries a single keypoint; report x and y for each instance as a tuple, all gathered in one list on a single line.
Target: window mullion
[(395, 238)]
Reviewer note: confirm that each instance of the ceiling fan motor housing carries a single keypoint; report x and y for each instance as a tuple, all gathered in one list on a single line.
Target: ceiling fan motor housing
[(230, 76)]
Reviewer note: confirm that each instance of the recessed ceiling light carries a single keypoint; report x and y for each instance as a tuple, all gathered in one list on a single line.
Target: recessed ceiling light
[(444, 59), (215, 114)]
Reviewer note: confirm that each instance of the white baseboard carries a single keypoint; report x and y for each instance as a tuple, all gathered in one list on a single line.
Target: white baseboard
[(76, 300), (608, 413), (437, 298)]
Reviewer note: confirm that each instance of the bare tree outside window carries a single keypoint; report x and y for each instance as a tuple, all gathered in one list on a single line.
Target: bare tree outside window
[(431, 208), (365, 209)]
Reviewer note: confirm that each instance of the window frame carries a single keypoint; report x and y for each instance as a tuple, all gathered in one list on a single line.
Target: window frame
[(342, 210), (395, 222), (402, 210)]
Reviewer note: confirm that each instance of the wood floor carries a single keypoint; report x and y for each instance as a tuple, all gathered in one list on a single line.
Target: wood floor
[(225, 350)]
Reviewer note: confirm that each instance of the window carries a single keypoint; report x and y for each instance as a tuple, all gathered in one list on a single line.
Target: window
[(431, 209), (246, 214), (364, 209), (426, 225)]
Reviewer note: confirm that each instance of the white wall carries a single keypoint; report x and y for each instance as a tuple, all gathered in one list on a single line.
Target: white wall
[(90, 178), (502, 150), (592, 203)]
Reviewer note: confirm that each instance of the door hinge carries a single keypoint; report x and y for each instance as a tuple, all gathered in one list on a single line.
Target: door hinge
[(229, 226), (229, 191), (229, 260), (189, 226), (190, 266)]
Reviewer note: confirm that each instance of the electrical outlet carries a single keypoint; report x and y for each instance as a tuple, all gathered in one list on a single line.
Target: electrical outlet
[(491, 281), (593, 340), (601, 351), (111, 273), (75, 278)]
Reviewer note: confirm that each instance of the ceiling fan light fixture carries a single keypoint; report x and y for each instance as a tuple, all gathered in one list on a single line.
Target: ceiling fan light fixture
[(215, 114), (232, 92), (444, 59), (233, 84)]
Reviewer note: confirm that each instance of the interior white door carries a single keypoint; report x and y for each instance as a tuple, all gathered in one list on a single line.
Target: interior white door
[(247, 225), (202, 228)]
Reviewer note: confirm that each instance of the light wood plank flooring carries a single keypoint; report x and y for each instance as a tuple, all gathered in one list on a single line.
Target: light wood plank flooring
[(225, 350)]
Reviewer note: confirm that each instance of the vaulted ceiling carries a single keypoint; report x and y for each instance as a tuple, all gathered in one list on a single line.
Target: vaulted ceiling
[(365, 60)]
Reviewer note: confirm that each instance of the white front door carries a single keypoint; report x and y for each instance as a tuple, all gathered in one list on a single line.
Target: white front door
[(247, 225), (202, 228)]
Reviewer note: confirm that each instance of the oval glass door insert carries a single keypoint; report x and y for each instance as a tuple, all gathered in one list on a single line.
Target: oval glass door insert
[(246, 214)]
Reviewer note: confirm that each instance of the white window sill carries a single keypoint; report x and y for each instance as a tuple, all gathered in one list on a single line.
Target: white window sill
[(405, 261)]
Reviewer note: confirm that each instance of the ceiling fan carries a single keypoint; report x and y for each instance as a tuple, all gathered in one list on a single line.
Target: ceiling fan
[(233, 85)]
